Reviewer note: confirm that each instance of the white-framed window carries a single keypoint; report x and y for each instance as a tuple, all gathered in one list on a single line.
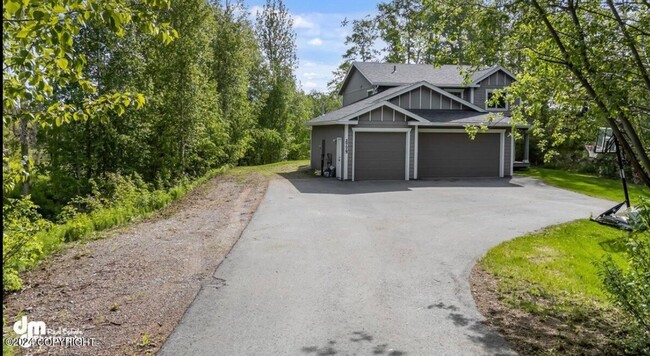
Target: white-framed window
[(371, 92), (457, 92), (501, 105)]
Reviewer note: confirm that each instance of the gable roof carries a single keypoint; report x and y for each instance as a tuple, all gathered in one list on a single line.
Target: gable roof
[(482, 74), (352, 109), (397, 74), (348, 112)]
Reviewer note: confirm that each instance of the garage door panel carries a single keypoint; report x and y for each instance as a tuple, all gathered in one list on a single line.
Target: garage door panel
[(456, 155), (379, 155)]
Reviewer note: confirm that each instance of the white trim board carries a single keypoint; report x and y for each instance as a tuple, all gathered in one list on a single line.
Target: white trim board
[(345, 152), (512, 154), (501, 133), (328, 123), (416, 149), (407, 131)]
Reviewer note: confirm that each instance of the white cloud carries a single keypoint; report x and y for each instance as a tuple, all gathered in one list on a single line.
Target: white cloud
[(309, 86), (316, 42), (302, 22), (311, 75), (314, 75), (320, 42)]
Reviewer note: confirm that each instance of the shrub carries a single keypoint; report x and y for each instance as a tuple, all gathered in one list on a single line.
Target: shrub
[(21, 248), (114, 201), (630, 288)]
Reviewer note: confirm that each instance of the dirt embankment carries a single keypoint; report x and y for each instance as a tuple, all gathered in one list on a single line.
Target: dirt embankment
[(129, 289), (544, 334)]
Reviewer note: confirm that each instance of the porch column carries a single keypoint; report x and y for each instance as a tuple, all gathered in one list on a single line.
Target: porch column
[(526, 146)]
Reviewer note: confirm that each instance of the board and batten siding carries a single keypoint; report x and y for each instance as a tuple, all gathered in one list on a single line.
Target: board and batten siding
[(497, 80), (383, 117), (425, 98), (356, 88), (328, 133), (507, 153)]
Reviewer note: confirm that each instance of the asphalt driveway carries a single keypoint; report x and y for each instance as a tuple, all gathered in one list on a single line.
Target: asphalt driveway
[(366, 268)]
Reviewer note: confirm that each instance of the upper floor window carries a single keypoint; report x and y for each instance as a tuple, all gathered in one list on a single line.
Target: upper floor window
[(500, 104)]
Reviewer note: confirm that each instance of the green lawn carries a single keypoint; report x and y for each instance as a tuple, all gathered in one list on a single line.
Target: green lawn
[(553, 275), (588, 185), (557, 262), (285, 167)]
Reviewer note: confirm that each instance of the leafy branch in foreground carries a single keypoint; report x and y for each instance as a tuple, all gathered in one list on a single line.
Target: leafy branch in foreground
[(40, 57), (630, 288)]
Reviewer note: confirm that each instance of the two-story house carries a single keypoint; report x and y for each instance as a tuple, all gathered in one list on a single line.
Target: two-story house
[(407, 121)]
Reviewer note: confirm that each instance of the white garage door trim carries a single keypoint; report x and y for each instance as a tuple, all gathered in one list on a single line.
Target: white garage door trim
[(502, 141), (407, 131)]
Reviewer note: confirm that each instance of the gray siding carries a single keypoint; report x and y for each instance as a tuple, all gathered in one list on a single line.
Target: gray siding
[(497, 80), (329, 134), (383, 117), (356, 88), (350, 153), (425, 98), (507, 153)]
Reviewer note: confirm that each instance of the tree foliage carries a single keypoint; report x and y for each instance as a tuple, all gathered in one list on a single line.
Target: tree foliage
[(146, 94), (630, 288), (277, 42), (580, 65)]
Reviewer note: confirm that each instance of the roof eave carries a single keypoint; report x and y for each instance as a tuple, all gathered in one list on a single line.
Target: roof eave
[(492, 71), (395, 84), (331, 122)]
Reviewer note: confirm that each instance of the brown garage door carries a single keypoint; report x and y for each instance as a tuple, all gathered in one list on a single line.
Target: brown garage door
[(379, 155), (456, 155)]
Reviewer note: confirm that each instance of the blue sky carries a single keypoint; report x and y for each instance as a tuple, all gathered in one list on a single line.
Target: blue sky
[(320, 37)]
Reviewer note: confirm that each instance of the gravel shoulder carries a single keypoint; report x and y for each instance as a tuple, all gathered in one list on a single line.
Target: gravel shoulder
[(129, 289)]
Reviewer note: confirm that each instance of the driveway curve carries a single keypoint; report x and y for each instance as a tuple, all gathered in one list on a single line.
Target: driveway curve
[(366, 268)]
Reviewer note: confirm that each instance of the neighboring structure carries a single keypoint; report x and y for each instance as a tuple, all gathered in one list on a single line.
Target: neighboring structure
[(406, 121)]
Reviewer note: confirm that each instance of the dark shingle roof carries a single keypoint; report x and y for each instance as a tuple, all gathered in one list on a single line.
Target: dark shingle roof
[(354, 107), (400, 74)]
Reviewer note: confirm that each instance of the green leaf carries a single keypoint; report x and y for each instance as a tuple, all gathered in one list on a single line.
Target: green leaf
[(11, 7), (62, 63), (58, 9), (24, 32), (38, 15)]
